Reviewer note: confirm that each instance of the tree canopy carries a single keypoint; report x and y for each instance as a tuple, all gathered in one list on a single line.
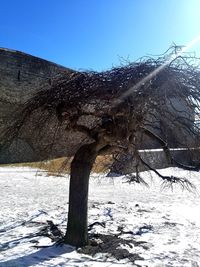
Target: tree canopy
[(118, 107)]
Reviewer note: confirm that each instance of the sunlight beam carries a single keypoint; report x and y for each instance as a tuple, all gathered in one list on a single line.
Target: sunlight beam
[(156, 71)]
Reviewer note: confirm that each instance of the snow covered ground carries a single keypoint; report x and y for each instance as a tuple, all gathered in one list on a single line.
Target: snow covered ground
[(150, 226)]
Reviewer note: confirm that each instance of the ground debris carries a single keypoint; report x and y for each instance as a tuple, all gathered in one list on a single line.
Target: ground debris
[(111, 244)]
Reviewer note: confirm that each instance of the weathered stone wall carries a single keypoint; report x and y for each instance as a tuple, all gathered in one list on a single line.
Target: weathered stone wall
[(21, 76)]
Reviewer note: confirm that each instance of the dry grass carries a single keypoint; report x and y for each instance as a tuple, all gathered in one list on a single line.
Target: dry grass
[(102, 164), (62, 165)]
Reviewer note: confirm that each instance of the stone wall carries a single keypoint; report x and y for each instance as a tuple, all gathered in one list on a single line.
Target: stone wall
[(21, 76)]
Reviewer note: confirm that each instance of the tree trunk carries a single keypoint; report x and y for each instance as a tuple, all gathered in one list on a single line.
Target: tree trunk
[(77, 226)]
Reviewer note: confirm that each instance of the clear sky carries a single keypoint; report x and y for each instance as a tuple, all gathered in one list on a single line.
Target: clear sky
[(94, 34)]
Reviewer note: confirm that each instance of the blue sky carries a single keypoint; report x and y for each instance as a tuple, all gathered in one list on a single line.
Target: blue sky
[(94, 34)]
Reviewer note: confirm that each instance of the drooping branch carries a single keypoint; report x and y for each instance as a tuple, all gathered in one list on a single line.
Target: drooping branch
[(167, 152), (170, 180), (163, 144)]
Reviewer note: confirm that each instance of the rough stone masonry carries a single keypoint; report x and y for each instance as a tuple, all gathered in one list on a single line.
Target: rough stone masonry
[(21, 76)]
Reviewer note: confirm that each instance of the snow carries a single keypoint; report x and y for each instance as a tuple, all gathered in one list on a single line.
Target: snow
[(159, 225)]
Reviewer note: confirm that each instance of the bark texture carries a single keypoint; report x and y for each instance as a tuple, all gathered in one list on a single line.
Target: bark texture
[(77, 232)]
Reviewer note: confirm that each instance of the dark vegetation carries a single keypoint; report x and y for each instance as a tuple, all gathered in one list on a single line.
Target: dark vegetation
[(116, 110)]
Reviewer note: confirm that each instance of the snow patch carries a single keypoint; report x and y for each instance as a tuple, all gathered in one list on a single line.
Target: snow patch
[(151, 227)]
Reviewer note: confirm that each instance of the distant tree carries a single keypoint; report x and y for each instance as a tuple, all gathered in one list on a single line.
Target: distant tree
[(115, 109)]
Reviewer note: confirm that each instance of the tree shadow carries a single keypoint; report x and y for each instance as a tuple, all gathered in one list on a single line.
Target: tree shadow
[(48, 253), (39, 256), (114, 246)]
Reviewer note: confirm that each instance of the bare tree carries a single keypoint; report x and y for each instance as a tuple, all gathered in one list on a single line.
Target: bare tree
[(114, 110)]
